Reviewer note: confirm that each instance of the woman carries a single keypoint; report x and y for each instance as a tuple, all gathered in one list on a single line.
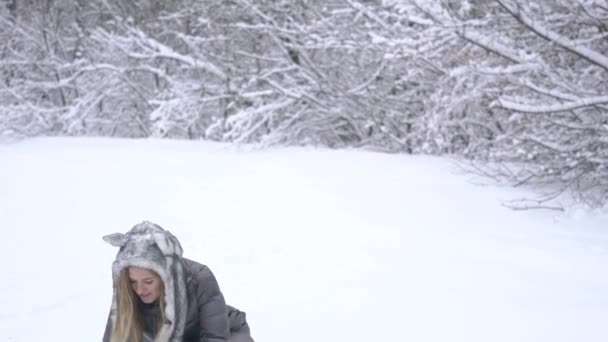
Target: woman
[(159, 296)]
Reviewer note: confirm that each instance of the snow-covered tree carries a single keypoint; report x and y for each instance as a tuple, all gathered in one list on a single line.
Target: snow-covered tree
[(523, 83), (511, 81)]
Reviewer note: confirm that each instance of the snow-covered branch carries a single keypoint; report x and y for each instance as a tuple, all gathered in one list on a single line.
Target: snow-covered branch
[(512, 104), (585, 52), (151, 48), (483, 41), (368, 13)]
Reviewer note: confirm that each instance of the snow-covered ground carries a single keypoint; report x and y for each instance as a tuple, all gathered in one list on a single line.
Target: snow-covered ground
[(315, 245)]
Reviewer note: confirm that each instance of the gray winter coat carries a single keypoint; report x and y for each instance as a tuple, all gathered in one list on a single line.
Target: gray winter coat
[(209, 319), (195, 310)]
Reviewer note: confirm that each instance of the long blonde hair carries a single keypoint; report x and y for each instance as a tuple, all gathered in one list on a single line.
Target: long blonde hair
[(128, 326)]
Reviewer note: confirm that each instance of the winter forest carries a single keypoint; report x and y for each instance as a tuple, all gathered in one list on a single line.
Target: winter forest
[(519, 88)]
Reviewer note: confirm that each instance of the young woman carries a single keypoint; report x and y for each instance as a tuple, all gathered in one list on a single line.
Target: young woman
[(159, 296)]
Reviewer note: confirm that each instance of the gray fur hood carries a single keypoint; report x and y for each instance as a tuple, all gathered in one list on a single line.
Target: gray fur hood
[(147, 245)]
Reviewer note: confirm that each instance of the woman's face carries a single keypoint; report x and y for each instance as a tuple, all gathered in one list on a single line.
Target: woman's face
[(146, 284)]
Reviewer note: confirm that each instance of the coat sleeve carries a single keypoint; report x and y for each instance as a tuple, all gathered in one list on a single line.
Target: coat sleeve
[(212, 310)]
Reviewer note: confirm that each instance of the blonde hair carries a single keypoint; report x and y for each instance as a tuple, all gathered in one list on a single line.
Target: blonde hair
[(128, 326)]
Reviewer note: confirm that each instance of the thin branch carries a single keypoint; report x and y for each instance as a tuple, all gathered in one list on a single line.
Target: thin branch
[(552, 108), (368, 14), (582, 51), (370, 79)]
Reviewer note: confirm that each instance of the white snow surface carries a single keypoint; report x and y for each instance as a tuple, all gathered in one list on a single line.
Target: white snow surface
[(315, 245)]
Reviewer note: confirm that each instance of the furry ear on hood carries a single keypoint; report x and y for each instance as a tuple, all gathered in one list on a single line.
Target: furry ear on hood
[(167, 243), (116, 239), (149, 246)]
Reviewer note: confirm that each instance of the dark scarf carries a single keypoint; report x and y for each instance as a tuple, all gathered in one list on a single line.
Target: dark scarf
[(151, 317)]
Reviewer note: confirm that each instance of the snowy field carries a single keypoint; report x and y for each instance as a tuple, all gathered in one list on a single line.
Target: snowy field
[(315, 245)]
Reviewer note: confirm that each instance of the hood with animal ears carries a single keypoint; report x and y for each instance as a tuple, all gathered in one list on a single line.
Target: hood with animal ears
[(149, 246)]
